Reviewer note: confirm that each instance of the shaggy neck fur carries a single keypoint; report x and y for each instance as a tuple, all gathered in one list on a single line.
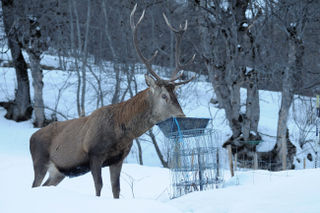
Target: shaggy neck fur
[(135, 115)]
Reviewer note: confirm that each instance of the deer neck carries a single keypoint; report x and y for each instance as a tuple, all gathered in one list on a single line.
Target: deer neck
[(135, 115)]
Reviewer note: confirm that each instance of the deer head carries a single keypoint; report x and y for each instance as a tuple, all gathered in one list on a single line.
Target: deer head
[(165, 103)]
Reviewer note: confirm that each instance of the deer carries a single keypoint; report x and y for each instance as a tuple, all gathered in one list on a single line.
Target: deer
[(104, 138)]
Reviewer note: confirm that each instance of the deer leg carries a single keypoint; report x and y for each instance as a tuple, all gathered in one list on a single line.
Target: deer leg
[(40, 171), (53, 181), (115, 170), (95, 166), (40, 167), (55, 176), (40, 159)]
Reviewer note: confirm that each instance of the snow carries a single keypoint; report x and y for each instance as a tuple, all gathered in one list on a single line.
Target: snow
[(77, 194), (147, 188), (248, 70), (260, 191)]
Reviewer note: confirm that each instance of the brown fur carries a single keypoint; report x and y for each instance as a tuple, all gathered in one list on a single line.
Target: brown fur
[(104, 138), (126, 110)]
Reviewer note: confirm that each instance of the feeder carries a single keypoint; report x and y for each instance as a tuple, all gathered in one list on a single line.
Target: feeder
[(172, 126), (193, 157)]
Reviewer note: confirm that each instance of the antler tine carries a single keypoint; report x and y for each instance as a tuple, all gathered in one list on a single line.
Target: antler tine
[(134, 27), (178, 35), (180, 67), (131, 17), (184, 82), (174, 78), (168, 23)]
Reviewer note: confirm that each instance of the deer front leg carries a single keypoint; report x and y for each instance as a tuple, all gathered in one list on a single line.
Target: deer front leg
[(115, 170), (95, 166)]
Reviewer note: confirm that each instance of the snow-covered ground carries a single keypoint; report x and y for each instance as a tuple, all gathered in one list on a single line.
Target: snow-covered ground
[(146, 188)]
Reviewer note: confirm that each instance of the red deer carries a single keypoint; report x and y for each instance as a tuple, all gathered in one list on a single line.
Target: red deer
[(104, 138)]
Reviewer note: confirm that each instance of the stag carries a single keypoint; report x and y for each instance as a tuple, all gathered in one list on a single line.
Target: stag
[(104, 138)]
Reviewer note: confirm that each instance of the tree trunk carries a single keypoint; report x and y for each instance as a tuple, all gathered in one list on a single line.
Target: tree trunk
[(224, 71), (74, 51), (84, 62), (116, 66), (154, 141), (228, 96), (286, 100), (295, 53), (20, 108), (116, 93), (37, 84), (139, 151), (250, 123)]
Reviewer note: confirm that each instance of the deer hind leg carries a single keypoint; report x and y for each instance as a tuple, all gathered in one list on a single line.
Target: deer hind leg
[(115, 171), (40, 159), (40, 169), (55, 176)]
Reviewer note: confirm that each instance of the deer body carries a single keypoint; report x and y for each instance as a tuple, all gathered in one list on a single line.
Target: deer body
[(74, 147), (104, 138), (109, 130)]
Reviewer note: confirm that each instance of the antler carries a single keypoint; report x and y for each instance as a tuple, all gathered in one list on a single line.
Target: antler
[(146, 61), (178, 35)]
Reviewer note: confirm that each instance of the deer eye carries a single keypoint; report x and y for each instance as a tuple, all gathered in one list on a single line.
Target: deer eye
[(164, 97)]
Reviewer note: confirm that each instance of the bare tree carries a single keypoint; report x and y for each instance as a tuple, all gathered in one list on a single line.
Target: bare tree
[(305, 118), (162, 159), (80, 51), (84, 59), (34, 38), (35, 47), (228, 48), (117, 66), (34, 24), (291, 21), (20, 109)]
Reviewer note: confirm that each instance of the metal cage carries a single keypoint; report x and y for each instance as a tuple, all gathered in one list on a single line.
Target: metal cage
[(193, 157)]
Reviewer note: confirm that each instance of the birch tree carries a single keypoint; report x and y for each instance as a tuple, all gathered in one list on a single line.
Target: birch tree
[(291, 20), (19, 109), (228, 48)]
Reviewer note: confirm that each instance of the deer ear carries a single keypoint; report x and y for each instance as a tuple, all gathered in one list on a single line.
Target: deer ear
[(150, 82)]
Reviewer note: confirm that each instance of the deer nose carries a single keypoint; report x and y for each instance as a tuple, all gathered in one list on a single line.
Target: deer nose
[(181, 115)]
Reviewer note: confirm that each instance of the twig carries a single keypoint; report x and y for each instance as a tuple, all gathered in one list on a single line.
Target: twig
[(57, 112)]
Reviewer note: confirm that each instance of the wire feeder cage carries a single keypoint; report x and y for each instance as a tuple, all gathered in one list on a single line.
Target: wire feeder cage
[(193, 158)]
